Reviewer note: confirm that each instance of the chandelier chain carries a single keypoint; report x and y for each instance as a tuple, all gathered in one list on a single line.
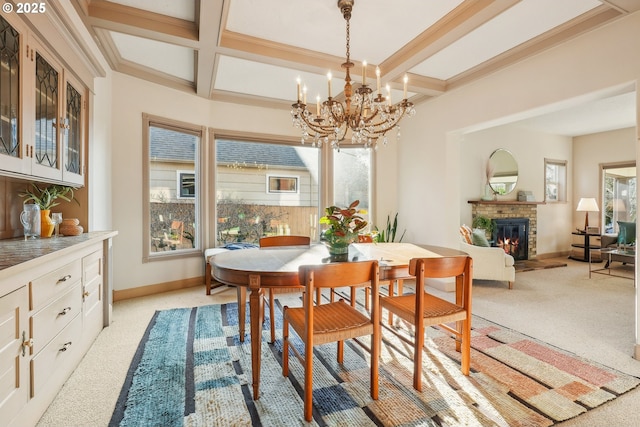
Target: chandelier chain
[(348, 41)]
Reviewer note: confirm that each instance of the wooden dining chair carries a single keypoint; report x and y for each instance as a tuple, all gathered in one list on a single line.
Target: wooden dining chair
[(271, 241), (423, 309), (334, 321)]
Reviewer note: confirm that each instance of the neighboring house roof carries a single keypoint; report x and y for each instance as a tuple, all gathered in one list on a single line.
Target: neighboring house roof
[(168, 145), (257, 153)]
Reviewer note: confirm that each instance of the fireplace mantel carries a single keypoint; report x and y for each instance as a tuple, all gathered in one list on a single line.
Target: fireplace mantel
[(503, 202)]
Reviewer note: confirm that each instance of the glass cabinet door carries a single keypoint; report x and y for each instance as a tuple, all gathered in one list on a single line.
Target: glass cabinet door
[(72, 136), (46, 109), (9, 93)]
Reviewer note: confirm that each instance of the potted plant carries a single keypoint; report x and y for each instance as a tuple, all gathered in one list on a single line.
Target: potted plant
[(344, 225), (389, 233), (46, 198), (483, 222)]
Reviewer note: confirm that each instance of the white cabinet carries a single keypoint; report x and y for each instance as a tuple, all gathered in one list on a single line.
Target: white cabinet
[(48, 323), (14, 340), (42, 114)]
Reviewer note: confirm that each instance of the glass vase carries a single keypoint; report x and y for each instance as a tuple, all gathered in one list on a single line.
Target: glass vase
[(338, 247)]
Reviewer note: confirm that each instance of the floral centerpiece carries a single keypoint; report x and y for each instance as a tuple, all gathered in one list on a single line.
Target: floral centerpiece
[(344, 225)]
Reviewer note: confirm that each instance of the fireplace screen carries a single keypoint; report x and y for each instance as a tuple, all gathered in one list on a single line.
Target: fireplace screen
[(512, 234)]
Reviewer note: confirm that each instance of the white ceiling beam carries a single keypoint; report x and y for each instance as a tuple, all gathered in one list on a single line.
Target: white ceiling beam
[(208, 16)]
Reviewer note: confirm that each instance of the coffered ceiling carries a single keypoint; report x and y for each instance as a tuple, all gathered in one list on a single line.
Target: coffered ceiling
[(252, 51)]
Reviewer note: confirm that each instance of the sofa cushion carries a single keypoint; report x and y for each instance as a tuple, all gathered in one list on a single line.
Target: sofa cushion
[(479, 238), (627, 233)]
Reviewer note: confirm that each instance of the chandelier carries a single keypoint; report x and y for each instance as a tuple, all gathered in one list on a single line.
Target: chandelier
[(368, 116)]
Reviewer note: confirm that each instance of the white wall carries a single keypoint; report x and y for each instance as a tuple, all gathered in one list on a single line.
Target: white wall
[(529, 150), (100, 154), (589, 152)]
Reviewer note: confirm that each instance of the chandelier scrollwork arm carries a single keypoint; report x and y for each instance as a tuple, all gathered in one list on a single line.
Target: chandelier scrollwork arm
[(369, 117)]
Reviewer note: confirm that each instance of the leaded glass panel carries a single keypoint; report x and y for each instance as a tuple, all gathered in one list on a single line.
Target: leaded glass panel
[(46, 126), (9, 89), (73, 137)]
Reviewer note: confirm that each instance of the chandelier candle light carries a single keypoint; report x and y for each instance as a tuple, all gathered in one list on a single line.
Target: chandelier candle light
[(368, 117)]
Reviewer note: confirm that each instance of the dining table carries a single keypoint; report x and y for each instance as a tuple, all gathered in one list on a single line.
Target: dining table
[(261, 268)]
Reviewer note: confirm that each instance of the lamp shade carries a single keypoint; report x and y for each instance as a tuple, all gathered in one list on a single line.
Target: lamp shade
[(587, 204)]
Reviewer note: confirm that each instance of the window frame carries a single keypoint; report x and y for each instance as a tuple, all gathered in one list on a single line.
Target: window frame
[(148, 121), (601, 198), (181, 174), (296, 180), (560, 183), (325, 182)]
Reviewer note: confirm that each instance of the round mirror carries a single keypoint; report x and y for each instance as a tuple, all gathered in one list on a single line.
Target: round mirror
[(505, 172)]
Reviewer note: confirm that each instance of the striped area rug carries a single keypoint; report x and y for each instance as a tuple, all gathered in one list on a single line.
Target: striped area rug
[(190, 369)]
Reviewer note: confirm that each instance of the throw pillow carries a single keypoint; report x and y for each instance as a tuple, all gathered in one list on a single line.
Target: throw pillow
[(627, 233), (465, 233), (479, 238)]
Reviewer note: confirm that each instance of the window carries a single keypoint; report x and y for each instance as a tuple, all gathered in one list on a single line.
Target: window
[(352, 179), (290, 173), (618, 195), (171, 178), (282, 184), (555, 184), (186, 184)]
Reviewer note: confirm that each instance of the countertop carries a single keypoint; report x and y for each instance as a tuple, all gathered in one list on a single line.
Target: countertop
[(19, 251)]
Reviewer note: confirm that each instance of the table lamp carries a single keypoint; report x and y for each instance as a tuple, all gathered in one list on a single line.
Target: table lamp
[(587, 204)]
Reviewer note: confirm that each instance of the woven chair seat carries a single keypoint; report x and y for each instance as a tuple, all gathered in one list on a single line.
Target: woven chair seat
[(317, 323), (337, 321), (436, 310)]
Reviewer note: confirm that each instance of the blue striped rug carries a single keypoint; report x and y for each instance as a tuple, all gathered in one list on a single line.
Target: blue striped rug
[(190, 369)]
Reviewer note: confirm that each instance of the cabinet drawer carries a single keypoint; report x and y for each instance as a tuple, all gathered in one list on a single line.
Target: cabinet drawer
[(45, 288), (49, 321), (58, 357)]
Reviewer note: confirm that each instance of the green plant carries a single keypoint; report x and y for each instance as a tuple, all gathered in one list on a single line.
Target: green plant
[(388, 235), (189, 236), (483, 222), (46, 197), (343, 222)]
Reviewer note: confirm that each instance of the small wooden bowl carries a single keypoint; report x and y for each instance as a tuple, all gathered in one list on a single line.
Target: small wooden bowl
[(71, 230)]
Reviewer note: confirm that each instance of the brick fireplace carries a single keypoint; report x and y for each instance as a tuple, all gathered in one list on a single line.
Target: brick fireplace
[(512, 235), (502, 209)]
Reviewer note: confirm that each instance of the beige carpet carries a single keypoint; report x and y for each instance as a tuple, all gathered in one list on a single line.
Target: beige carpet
[(534, 264), (593, 318)]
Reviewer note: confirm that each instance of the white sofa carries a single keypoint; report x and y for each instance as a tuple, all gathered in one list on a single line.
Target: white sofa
[(490, 263)]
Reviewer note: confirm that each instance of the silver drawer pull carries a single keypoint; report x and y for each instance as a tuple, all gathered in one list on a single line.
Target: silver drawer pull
[(64, 311), (65, 346), (65, 278)]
